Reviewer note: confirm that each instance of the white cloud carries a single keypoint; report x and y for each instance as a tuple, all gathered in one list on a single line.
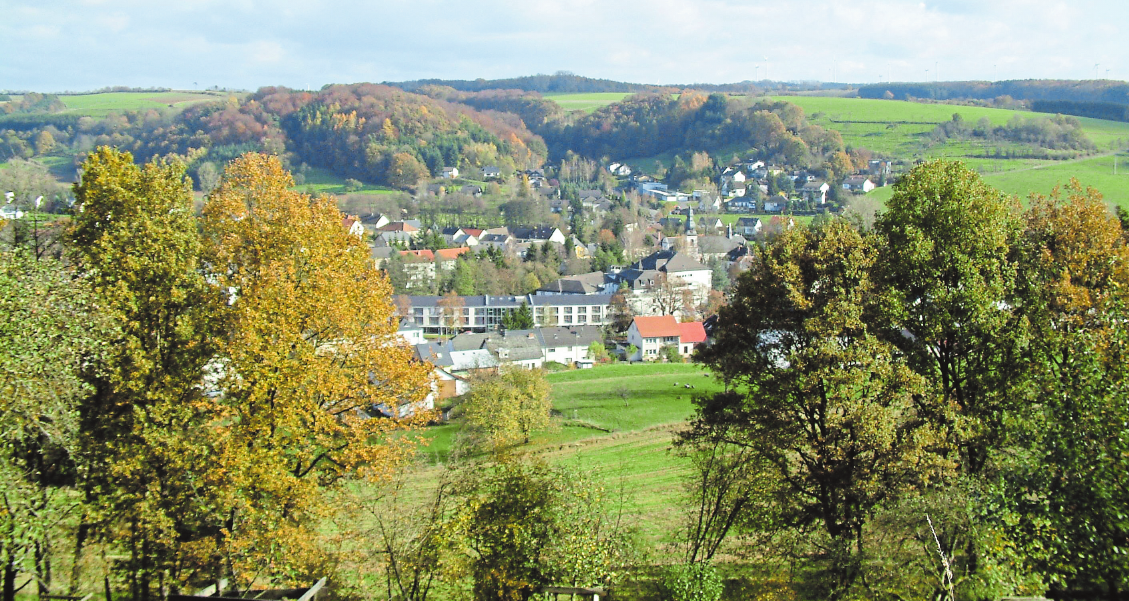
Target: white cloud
[(250, 43)]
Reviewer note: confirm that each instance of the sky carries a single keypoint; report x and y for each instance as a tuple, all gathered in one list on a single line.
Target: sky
[(80, 45)]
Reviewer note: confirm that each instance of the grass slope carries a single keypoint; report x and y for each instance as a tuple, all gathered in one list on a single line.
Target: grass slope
[(99, 105), (628, 447), (587, 102)]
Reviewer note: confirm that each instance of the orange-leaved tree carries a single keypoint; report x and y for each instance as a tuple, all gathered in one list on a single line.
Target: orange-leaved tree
[(312, 378)]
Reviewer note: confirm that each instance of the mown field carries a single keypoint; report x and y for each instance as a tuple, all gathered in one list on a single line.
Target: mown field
[(625, 443), (588, 102), (323, 181), (99, 105)]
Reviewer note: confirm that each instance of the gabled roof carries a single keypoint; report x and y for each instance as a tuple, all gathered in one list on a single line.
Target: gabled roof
[(585, 283), (555, 337), (659, 326), (450, 254), (399, 226), (691, 332), (422, 254)]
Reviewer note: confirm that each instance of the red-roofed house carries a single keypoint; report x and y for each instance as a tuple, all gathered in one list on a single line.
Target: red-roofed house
[(445, 257), (420, 254), (353, 226), (691, 334), (651, 334)]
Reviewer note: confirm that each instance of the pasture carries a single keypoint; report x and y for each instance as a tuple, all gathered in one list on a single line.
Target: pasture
[(100, 105), (900, 129), (587, 102), (616, 422), (323, 181)]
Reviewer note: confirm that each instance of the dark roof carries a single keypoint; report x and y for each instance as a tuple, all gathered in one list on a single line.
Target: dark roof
[(569, 336), (669, 261), (586, 283)]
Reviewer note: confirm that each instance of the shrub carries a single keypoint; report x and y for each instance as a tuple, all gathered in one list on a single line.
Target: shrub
[(691, 582)]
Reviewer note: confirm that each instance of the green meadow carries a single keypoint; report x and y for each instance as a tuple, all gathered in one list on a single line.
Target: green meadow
[(100, 105), (588, 102), (617, 423), (323, 181)]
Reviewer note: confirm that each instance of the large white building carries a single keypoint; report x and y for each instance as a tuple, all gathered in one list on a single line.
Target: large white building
[(485, 313)]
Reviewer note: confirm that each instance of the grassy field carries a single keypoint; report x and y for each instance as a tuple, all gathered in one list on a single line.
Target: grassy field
[(586, 102), (99, 105), (624, 443), (897, 127), (322, 181)]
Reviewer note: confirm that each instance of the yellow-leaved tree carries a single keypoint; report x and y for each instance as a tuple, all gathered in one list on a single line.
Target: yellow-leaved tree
[(313, 380)]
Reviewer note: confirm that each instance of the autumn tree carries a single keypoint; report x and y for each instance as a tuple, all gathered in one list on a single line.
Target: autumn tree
[(143, 446), (1074, 281), (451, 311), (310, 359)]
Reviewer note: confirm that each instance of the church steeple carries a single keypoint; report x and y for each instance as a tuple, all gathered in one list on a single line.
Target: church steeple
[(690, 223)]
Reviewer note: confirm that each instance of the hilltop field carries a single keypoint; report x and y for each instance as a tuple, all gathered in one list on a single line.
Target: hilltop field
[(902, 130)]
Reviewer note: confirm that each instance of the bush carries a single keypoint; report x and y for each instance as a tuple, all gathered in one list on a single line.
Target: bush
[(352, 185), (671, 354), (692, 582), (554, 366)]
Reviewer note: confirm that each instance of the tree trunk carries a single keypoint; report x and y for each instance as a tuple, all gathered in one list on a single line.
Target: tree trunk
[(79, 542), (9, 581)]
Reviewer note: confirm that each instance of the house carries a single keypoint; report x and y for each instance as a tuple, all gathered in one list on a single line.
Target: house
[(690, 336), (713, 248), (878, 167), (742, 204), (815, 191), (445, 257), (651, 334), (858, 184), (586, 283), (449, 173), (398, 231), (419, 265), (568, 344), (513, 347), (775, 204), (353, 226), (485, 313), (538, 234), (471, 190), (732, 175), (491, 172), (375, 221), (710, 204), (410, 333), (748, 226)]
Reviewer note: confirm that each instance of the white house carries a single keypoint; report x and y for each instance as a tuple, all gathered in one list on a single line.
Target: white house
[(858, 183), (651, 334), (449, 172)]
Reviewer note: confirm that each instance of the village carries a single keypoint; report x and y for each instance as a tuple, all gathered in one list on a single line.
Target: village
[(679, 255)]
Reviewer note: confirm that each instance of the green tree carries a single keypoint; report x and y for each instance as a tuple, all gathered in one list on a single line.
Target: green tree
[(947, 272), (816, 396), (528, 525), (508, 407), (947, 269), (50, 328), (518, 319), (136, 242)]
